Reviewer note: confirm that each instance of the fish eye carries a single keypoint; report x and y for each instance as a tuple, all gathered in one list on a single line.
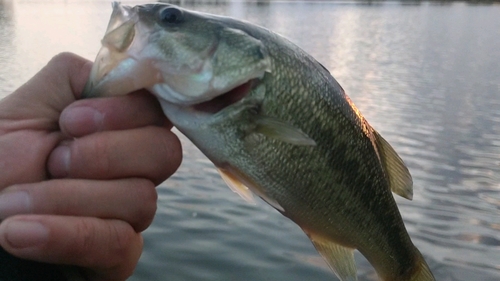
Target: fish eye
[(171, 15)]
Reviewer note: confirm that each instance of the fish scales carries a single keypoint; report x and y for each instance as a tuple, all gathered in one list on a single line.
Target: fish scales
[(336, 177), (273, 121)]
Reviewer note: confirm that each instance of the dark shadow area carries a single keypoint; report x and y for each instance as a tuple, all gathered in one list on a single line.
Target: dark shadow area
[(16, 269)]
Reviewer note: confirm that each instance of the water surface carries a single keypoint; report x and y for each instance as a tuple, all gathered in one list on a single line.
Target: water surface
[(426, 76)]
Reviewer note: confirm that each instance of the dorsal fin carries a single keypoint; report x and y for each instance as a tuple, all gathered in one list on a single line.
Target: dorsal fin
[(400, 180)]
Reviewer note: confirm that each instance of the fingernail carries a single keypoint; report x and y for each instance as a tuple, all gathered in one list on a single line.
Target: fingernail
[(82, 120), (13, 203), (59, 161), (25, 234)]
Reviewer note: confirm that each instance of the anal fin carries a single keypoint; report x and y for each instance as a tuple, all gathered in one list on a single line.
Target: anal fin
[(339, 258)]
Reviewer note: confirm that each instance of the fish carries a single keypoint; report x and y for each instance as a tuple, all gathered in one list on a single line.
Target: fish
[(274, 122)]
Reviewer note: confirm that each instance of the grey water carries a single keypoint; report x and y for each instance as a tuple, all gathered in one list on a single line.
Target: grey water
[(425, 74)]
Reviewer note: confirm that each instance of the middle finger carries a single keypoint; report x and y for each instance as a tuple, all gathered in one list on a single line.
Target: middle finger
[(149, 152), (88, 116)]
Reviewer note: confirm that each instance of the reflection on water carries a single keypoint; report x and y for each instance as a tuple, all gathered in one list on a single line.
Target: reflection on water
[(425, 75)]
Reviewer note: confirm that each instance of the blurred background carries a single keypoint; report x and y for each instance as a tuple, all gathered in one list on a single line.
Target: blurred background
[(425, 74)]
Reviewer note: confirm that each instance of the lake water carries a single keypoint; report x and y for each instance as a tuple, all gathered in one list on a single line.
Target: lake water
[(426, 76)]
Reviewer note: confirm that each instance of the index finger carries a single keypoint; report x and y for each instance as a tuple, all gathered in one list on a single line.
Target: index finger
[(88, 116)]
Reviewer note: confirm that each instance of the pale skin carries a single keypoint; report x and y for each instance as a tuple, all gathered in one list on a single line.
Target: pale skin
[(78, 177)]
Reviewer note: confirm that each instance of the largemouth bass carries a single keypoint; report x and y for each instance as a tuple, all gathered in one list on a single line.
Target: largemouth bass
[(274, 122)]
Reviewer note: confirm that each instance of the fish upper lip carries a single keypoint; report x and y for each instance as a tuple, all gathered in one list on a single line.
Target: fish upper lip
[(227, 99)]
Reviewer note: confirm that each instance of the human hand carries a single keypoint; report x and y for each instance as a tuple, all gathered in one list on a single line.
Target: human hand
[(77, 177)]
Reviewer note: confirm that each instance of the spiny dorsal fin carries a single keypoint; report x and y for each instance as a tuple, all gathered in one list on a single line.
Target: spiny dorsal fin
[(338, 257), (282, 131), (400, 180)]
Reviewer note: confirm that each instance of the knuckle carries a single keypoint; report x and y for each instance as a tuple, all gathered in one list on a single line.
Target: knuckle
[(63, 58), (121, 252), (117, 255), (85, 241), (171, 153), (122, 238), (96, 151), (150, 196), (147, 195), (102, 151)]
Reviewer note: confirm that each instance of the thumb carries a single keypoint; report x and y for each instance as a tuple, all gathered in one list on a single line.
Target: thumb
[(45, 95)]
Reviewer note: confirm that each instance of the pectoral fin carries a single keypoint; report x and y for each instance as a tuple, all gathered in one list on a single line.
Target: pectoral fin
[(282, 131), (338, 257), (400, 180)]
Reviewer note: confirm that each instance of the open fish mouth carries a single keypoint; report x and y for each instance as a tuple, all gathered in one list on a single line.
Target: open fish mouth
[(226, 99)]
